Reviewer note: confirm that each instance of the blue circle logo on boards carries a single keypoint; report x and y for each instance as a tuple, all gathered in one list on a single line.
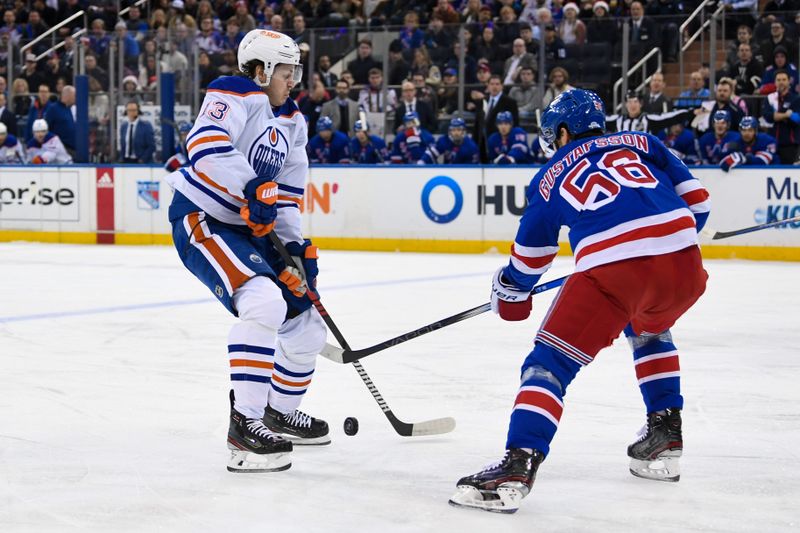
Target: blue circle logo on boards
[(442, 181)]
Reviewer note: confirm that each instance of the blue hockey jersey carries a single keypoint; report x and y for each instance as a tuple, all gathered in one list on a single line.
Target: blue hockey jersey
[(684, 146), (336, 150), (465, 153), (515, 146), (712, 150), (374, 152), (622, 195), (761, 151), (410, 145)]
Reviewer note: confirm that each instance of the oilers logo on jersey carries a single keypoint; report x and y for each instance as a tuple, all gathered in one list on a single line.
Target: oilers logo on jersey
[(268, 152)]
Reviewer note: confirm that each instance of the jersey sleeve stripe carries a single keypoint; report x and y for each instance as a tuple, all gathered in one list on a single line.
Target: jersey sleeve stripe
[(214, 150), (531, 269), (208, 139), (217, 186), (232, 93), (533, 262), (695, 198), (688, 186), (211, 194), (533, 251), (290, 189), (290, 115), (204, 129)]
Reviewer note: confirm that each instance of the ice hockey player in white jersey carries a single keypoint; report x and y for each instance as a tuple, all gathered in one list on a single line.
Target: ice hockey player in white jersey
[(45, 147), (10, 148), (246, 178)]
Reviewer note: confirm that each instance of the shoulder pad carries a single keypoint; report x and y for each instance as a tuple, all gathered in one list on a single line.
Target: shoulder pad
[(237, 85)]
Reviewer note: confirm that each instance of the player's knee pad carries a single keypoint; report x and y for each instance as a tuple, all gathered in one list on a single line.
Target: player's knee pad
[(540, 373), (303, 337), (260, 300), (557, 366), (639, 341)]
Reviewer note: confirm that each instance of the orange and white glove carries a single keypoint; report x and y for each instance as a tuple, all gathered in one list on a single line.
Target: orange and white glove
[(261, 209), (38, 160), (293, 279)]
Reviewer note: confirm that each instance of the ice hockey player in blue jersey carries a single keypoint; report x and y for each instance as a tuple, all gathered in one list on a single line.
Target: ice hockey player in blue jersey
[(412, 141), (328, 146), (366, 149), (245, 182), (509, 144), (754, 148), (455, 148), (716, 144), (682, 143), (633, 211)]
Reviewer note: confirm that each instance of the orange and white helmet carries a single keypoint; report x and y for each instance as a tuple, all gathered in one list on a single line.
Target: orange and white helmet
[(272, 48)]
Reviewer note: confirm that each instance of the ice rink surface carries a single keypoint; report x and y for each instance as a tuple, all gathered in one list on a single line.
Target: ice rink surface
[(114, 410)]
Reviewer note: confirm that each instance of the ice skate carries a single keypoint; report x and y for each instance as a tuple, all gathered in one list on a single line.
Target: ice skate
[(657, 453), (500, 487), (298, 427), (254, 448)]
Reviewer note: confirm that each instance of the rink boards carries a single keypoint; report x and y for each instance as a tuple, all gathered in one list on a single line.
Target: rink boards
[(404, 208)]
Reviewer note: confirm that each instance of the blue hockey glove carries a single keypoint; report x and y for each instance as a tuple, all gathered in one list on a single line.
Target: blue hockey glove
[(509, 302), (731, 160), (305, 255), (261, 209)]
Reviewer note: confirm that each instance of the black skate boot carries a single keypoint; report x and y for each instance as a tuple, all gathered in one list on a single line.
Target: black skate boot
[(254, 448), (499, 487), (298, 427), (656, 454)]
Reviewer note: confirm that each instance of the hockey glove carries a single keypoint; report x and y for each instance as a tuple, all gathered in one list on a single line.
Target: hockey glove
[(731, 160), (261, 209), (305, 256), (38, 160), (293, 279), (507, 301)]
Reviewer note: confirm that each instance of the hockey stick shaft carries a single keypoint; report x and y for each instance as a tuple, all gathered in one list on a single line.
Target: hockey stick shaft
[(725, 234), (405, 429), (347, 355)]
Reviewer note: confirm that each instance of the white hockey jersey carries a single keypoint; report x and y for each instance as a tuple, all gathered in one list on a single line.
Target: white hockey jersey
[(51, 151), (11, 151), (237, 137)]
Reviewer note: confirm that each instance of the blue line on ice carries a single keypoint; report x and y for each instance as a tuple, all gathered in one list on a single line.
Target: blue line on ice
[(178, 303)]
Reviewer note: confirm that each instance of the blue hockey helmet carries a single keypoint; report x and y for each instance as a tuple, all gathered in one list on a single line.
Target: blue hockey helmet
[(411, 116), (504, 116), (457, 122), (722, 115), (324, 124), (748, 123), (578, 110), (361, 125)]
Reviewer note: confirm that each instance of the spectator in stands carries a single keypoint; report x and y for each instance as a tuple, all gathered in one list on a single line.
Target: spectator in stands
[(740, 12), (178, 15), (527, 95), (643, 30), (7, 117), (208, 72), (438, 39), (233, 35), (327, 76), (45, 147), (361, 66), (602, 27), (34, 28), (720, 141), (426, 88), (411, 37), (366, 149), (668, 15), (11, 152), (470, 64), (746, 72), (753, 148), (20, 99), (722, 102), (445, 11), (11, 27), (137, 141), (3, 85), (411, 142), (399, 69), (208, 39), (342, 110), (276, 23), (654, 100), (471, 12), (781, 114), (94, 71), (53, 70), (311, 105), (495, 103), (447, 92), (696, 94), (571, 30), (486, 47), (559, 82), (131, 89), (509, 144), (778, 38), (554, 49), (328, 147), (158, 18), (780, 9), (129, 45), (520, 58), (744, 34), (507, 28), (780, 62), (455, 148), (60, 119), (421, 63), (99, 40), (410, 103), (371, 97), (38, 108), (682, 142), (478, 94), (526, 34), (242, 16), (31, 73), (136, 25)]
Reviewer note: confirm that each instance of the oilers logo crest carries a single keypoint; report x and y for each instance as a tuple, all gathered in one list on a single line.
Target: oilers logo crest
[(268, 153)]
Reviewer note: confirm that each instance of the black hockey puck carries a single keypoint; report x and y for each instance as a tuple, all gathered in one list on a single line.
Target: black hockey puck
[(350, 425)]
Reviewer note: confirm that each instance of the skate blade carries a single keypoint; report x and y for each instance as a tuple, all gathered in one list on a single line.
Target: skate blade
[(300, 441), (665, 467), (244, 461), (505, 500)]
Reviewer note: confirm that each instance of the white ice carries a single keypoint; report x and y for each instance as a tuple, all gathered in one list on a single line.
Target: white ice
[(114, 409)]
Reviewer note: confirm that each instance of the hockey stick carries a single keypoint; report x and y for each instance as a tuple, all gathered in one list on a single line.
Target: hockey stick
[(347, 355), (715, 235), (405, 429)]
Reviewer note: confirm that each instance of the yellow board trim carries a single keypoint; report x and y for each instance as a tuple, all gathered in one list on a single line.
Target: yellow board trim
[(762, 253)]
